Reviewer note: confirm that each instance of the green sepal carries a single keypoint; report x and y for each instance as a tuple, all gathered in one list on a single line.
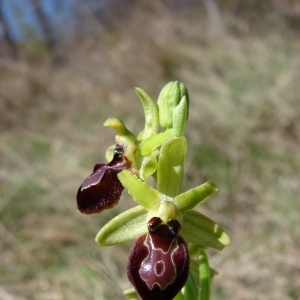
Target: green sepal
[(151, 115), (201, 230), (179, 117), (131, 294), (109, 154), (141, 192), (154, 141), (125, 227), (204, 276), (193, 197), (148, 165), (190, 290), (170, 166)]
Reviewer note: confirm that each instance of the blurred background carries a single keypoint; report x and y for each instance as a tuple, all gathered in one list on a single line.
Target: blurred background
[(68, 65)]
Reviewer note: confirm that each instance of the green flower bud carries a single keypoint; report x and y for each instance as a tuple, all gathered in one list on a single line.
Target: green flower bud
[(168, 99)]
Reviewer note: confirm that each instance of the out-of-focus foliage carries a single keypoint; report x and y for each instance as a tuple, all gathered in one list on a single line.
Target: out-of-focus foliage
[(243, 132)]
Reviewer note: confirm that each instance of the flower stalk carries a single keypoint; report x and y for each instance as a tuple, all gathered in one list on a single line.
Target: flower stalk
[(167, 259)]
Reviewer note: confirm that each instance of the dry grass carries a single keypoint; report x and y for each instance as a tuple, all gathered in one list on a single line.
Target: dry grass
[(243, 131)]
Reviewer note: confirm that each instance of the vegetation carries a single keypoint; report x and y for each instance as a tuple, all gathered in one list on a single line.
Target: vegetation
[(244, 129)]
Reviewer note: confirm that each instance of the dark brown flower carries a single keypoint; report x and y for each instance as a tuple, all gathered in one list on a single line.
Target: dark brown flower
[(102, 189), (158, 264)]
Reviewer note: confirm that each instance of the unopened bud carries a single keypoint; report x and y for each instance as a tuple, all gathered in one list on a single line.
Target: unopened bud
[(168, 99)]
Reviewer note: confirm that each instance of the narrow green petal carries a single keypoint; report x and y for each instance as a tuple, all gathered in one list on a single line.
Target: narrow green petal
[(152, 142), (151, 114), (141, 192), (193, 197), (124, 227), (201, 230), (148, 165), (170, 166)]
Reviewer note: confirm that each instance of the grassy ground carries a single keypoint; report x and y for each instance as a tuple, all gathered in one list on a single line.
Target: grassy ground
[(243, 132)]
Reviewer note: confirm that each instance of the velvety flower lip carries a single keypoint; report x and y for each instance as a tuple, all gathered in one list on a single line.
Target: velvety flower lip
[(102, 189), (158, 264)]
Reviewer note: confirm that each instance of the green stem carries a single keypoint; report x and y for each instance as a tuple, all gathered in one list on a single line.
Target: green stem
[(190, 289), (204, 276)]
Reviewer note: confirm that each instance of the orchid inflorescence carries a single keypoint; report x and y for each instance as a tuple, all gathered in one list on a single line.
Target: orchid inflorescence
[(167, 260)]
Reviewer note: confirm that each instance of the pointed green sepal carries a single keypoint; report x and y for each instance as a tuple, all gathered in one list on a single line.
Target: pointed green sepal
[(148, 165), (170, 166), (124, 227), (154, 141), (201, 230), (193, 197), (179, 117), (151, 115), (141, 192)]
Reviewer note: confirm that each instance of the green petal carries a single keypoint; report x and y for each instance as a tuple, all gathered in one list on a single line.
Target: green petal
[(201, 230), (193, 197), (124, 227), (148, 165), (170, 166), (152, 142), (151, 114), (141, 192)]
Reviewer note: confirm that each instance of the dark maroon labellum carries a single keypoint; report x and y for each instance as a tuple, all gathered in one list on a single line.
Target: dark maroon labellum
[(158, 264), (102, 189)]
